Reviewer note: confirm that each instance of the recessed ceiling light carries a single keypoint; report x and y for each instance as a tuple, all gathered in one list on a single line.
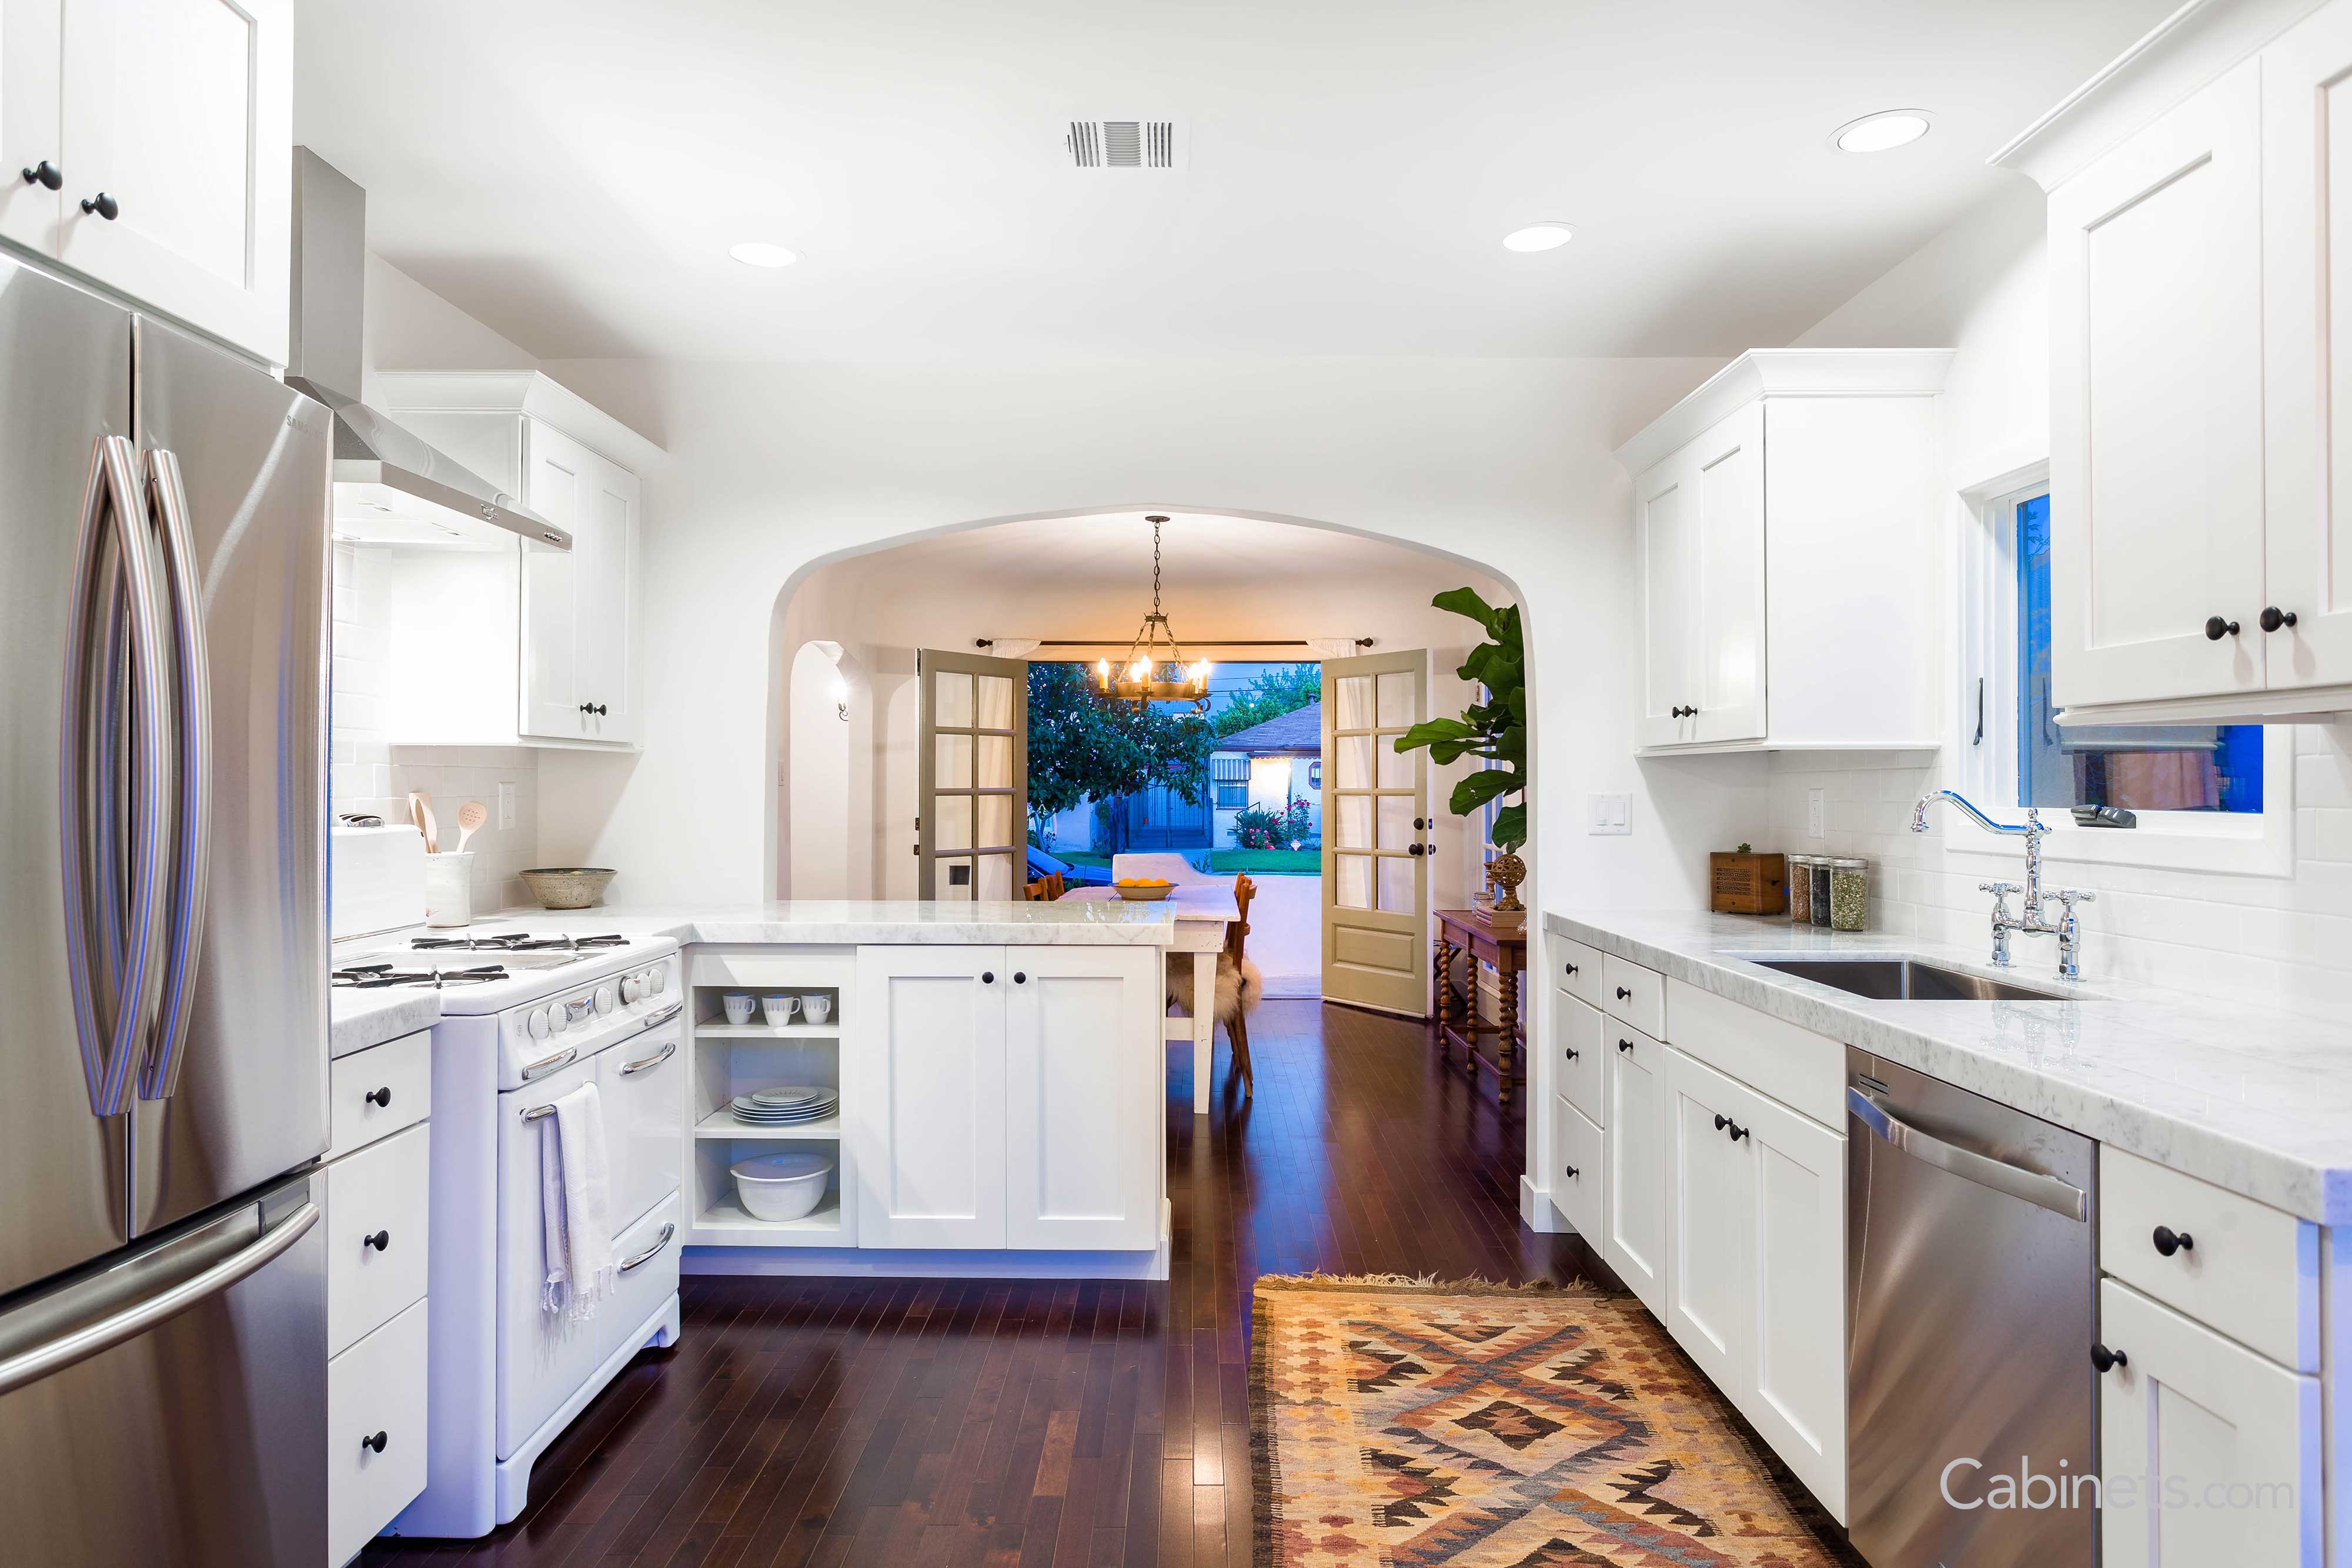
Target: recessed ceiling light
[(1878, 132), (760, 253), (1538, 237)]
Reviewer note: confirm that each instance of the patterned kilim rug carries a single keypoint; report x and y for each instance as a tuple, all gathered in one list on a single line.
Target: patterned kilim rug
[(1487, 1427)]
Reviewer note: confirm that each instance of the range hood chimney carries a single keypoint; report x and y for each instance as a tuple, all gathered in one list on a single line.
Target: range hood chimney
[(389, 487)]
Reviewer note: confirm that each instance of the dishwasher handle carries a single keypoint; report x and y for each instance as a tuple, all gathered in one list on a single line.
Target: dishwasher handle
[(2014, 1181)]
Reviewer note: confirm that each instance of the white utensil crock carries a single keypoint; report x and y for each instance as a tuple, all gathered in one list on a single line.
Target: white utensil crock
[(449, 889)]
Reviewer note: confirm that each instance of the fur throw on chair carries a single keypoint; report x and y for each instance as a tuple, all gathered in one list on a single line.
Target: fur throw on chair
[(1240, 987)]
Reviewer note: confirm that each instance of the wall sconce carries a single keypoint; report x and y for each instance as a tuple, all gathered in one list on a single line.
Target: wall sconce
[(840, 689)]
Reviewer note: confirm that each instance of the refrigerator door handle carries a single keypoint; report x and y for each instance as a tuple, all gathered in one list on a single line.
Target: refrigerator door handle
[(113, 571), (54, 1354), (192, 680)]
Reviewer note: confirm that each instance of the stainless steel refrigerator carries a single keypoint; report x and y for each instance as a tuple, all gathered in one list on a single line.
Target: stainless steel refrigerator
[(164, 641)]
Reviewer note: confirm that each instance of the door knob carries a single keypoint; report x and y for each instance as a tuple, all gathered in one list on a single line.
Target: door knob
[(104, 205), (380, 1241), (2168, 1240), (376, 1442), (1413, 849), (2216, 629), (380, 1098), (2272, 616), (2106, 1360), (45, 174)]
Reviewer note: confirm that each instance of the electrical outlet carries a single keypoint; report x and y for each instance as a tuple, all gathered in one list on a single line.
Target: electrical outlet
[(1608, 814), (1817, 814), (506, 805)]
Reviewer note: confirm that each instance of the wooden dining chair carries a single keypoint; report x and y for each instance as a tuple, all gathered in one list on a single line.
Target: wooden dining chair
[(1236, 1022)]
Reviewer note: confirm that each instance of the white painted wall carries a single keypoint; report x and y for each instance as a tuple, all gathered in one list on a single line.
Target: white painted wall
[(819, 764), (1981, 286), (777, 469)]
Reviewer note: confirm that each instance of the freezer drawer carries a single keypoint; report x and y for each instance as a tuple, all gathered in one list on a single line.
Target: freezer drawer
[(200, 1443)]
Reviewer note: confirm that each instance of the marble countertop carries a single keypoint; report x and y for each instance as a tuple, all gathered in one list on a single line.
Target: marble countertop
[(1064, 923), (2250, 1098), (357, 1020)]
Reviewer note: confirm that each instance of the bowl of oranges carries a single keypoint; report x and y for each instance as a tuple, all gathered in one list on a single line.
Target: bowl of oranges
[(1144, 889)]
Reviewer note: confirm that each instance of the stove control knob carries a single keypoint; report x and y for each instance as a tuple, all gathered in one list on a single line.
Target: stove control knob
[(558, 1019), (661, 976), (628, 990), (536, 1023), (605, 998)]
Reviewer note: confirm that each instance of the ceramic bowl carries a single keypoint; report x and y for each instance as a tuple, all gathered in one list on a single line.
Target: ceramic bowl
[(1145, 894), (781, 1187), (567, 886)]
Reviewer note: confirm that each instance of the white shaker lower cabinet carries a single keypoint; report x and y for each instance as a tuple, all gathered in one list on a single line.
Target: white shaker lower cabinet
[(1008, 1097), (2227, 1441), (1633, 1192)]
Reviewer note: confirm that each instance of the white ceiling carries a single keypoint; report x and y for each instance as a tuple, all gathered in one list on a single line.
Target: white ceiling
[(572, 171)]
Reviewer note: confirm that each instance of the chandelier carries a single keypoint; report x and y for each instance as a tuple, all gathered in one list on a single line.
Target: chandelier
[(1154, 670)]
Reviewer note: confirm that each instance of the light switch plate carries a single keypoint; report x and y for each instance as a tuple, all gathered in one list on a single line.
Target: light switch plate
[(506, 805), (1608, 814), (1817, 814)]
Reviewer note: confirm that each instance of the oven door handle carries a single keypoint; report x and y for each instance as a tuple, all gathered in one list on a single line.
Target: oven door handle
[(2010, 1180), (547, 1064), (650, 1253), (656, 1059)]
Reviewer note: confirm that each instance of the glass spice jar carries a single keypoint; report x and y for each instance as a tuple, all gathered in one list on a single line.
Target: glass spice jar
[(1848, 893), (1800, 889), (1819, 874)]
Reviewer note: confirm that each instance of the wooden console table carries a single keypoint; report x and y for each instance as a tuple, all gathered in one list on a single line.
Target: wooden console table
[(1456, 1010)]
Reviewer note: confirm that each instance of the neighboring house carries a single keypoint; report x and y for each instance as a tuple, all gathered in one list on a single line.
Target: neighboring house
[(1269, 765)]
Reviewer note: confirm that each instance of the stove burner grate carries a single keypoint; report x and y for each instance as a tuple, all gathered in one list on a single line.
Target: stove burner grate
[(382, 976), (517, 942)]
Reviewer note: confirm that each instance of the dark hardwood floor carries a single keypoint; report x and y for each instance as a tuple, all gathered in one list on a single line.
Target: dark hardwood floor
[(890, 1422)]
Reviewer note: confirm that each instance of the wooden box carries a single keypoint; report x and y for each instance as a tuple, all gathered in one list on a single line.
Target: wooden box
[(1748, 884)]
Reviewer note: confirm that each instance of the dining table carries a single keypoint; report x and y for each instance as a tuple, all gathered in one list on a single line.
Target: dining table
[(1204, 910)]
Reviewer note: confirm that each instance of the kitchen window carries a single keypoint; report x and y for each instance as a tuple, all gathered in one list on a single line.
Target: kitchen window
[(2208, 797), (1232, 774)]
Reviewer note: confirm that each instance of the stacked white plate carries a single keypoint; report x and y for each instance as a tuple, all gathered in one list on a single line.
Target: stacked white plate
[(788, 1107)]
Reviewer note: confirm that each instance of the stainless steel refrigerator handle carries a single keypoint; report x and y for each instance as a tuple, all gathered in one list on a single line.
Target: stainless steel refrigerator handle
[(640, 1260), (134, 948), (54, 1355), (2015, 1181), (192, 671)]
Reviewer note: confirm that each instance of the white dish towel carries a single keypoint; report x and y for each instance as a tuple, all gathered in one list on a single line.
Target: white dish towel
[(575, 1204)]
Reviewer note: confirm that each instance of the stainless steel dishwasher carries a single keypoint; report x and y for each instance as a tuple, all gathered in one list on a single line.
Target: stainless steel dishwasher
[(1971, 1280)]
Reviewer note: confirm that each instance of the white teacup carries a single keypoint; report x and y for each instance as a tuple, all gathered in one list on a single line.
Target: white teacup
[(816, 1007), (738, 1007), (779, 1010)]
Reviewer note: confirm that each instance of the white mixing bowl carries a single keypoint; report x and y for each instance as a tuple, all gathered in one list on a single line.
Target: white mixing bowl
[(781, 1187)]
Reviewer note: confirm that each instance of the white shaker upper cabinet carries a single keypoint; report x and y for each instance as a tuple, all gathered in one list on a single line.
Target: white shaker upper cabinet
[(2156, 456), (1785, 518), (2307, 86), (576, 603), (30, 137), (176, 118)]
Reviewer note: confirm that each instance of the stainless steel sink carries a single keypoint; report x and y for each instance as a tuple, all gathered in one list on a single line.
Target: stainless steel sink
[(1908, 980)]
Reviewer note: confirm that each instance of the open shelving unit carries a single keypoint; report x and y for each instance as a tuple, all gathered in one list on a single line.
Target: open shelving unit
[(724, 1060)]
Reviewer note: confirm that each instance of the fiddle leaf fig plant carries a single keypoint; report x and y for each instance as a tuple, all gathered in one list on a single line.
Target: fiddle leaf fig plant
[(1495, 729)]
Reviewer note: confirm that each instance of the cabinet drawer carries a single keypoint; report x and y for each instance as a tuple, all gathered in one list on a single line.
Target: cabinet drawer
[(1803, 1071), (376, 1093), (1578, 1170), (374, 1389), (2243, 1267), (644, 1263), (1578, 1042), (377, 1195), (1637, 995), (1578, 971)]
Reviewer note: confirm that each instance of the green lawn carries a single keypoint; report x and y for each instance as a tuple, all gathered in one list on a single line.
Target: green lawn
[(1266, 863)]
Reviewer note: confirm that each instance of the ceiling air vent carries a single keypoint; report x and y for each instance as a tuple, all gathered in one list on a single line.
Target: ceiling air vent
[(1123, 143)]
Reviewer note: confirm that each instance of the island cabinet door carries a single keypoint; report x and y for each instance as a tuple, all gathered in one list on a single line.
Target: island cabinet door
[(1082, 1105), (927, 1116), (1633, 1192)]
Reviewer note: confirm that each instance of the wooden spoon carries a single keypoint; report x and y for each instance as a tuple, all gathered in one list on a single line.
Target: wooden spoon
[(423, 802), (471, 818)]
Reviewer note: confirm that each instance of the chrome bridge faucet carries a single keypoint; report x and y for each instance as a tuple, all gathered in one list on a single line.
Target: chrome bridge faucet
[(2035, 921)]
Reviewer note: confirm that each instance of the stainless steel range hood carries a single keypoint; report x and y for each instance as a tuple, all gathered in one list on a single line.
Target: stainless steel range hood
[(390, 487)]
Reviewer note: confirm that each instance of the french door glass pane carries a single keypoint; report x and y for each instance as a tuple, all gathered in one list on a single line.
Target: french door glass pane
[(1355, 761), (996, 762), (1396, 767), (995, 876), (1396, 700), (1355, 882), (1355, 823), (1396, 821), (1396, 884), (951, 700), (1355, 702), (954, 768), (995, 823), (955, 822), (995, 703)]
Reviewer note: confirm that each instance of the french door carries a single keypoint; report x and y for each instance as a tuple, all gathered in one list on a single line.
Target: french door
[(1375, 833), (974, 765)]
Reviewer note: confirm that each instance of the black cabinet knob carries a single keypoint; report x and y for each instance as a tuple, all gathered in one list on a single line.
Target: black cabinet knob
[(380, 1097), (1569, 1169), (987, 976), (376, 1442), (599, 709), (1737, 1132), (1680, 712), (45, 174), (2273, 618), (104, 205), (1572, 968), (1019, 978), (2216, 629), (2168, 1240), (1624, 1045), (1623, 995), (1721, 1123), (2106, 1360), (380, 1241), (1569, 1051)]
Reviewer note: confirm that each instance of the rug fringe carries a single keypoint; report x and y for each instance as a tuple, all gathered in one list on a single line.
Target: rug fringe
[(1428, 1284)]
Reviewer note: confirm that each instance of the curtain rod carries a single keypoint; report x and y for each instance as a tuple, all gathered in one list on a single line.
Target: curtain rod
[(1188, 643)]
